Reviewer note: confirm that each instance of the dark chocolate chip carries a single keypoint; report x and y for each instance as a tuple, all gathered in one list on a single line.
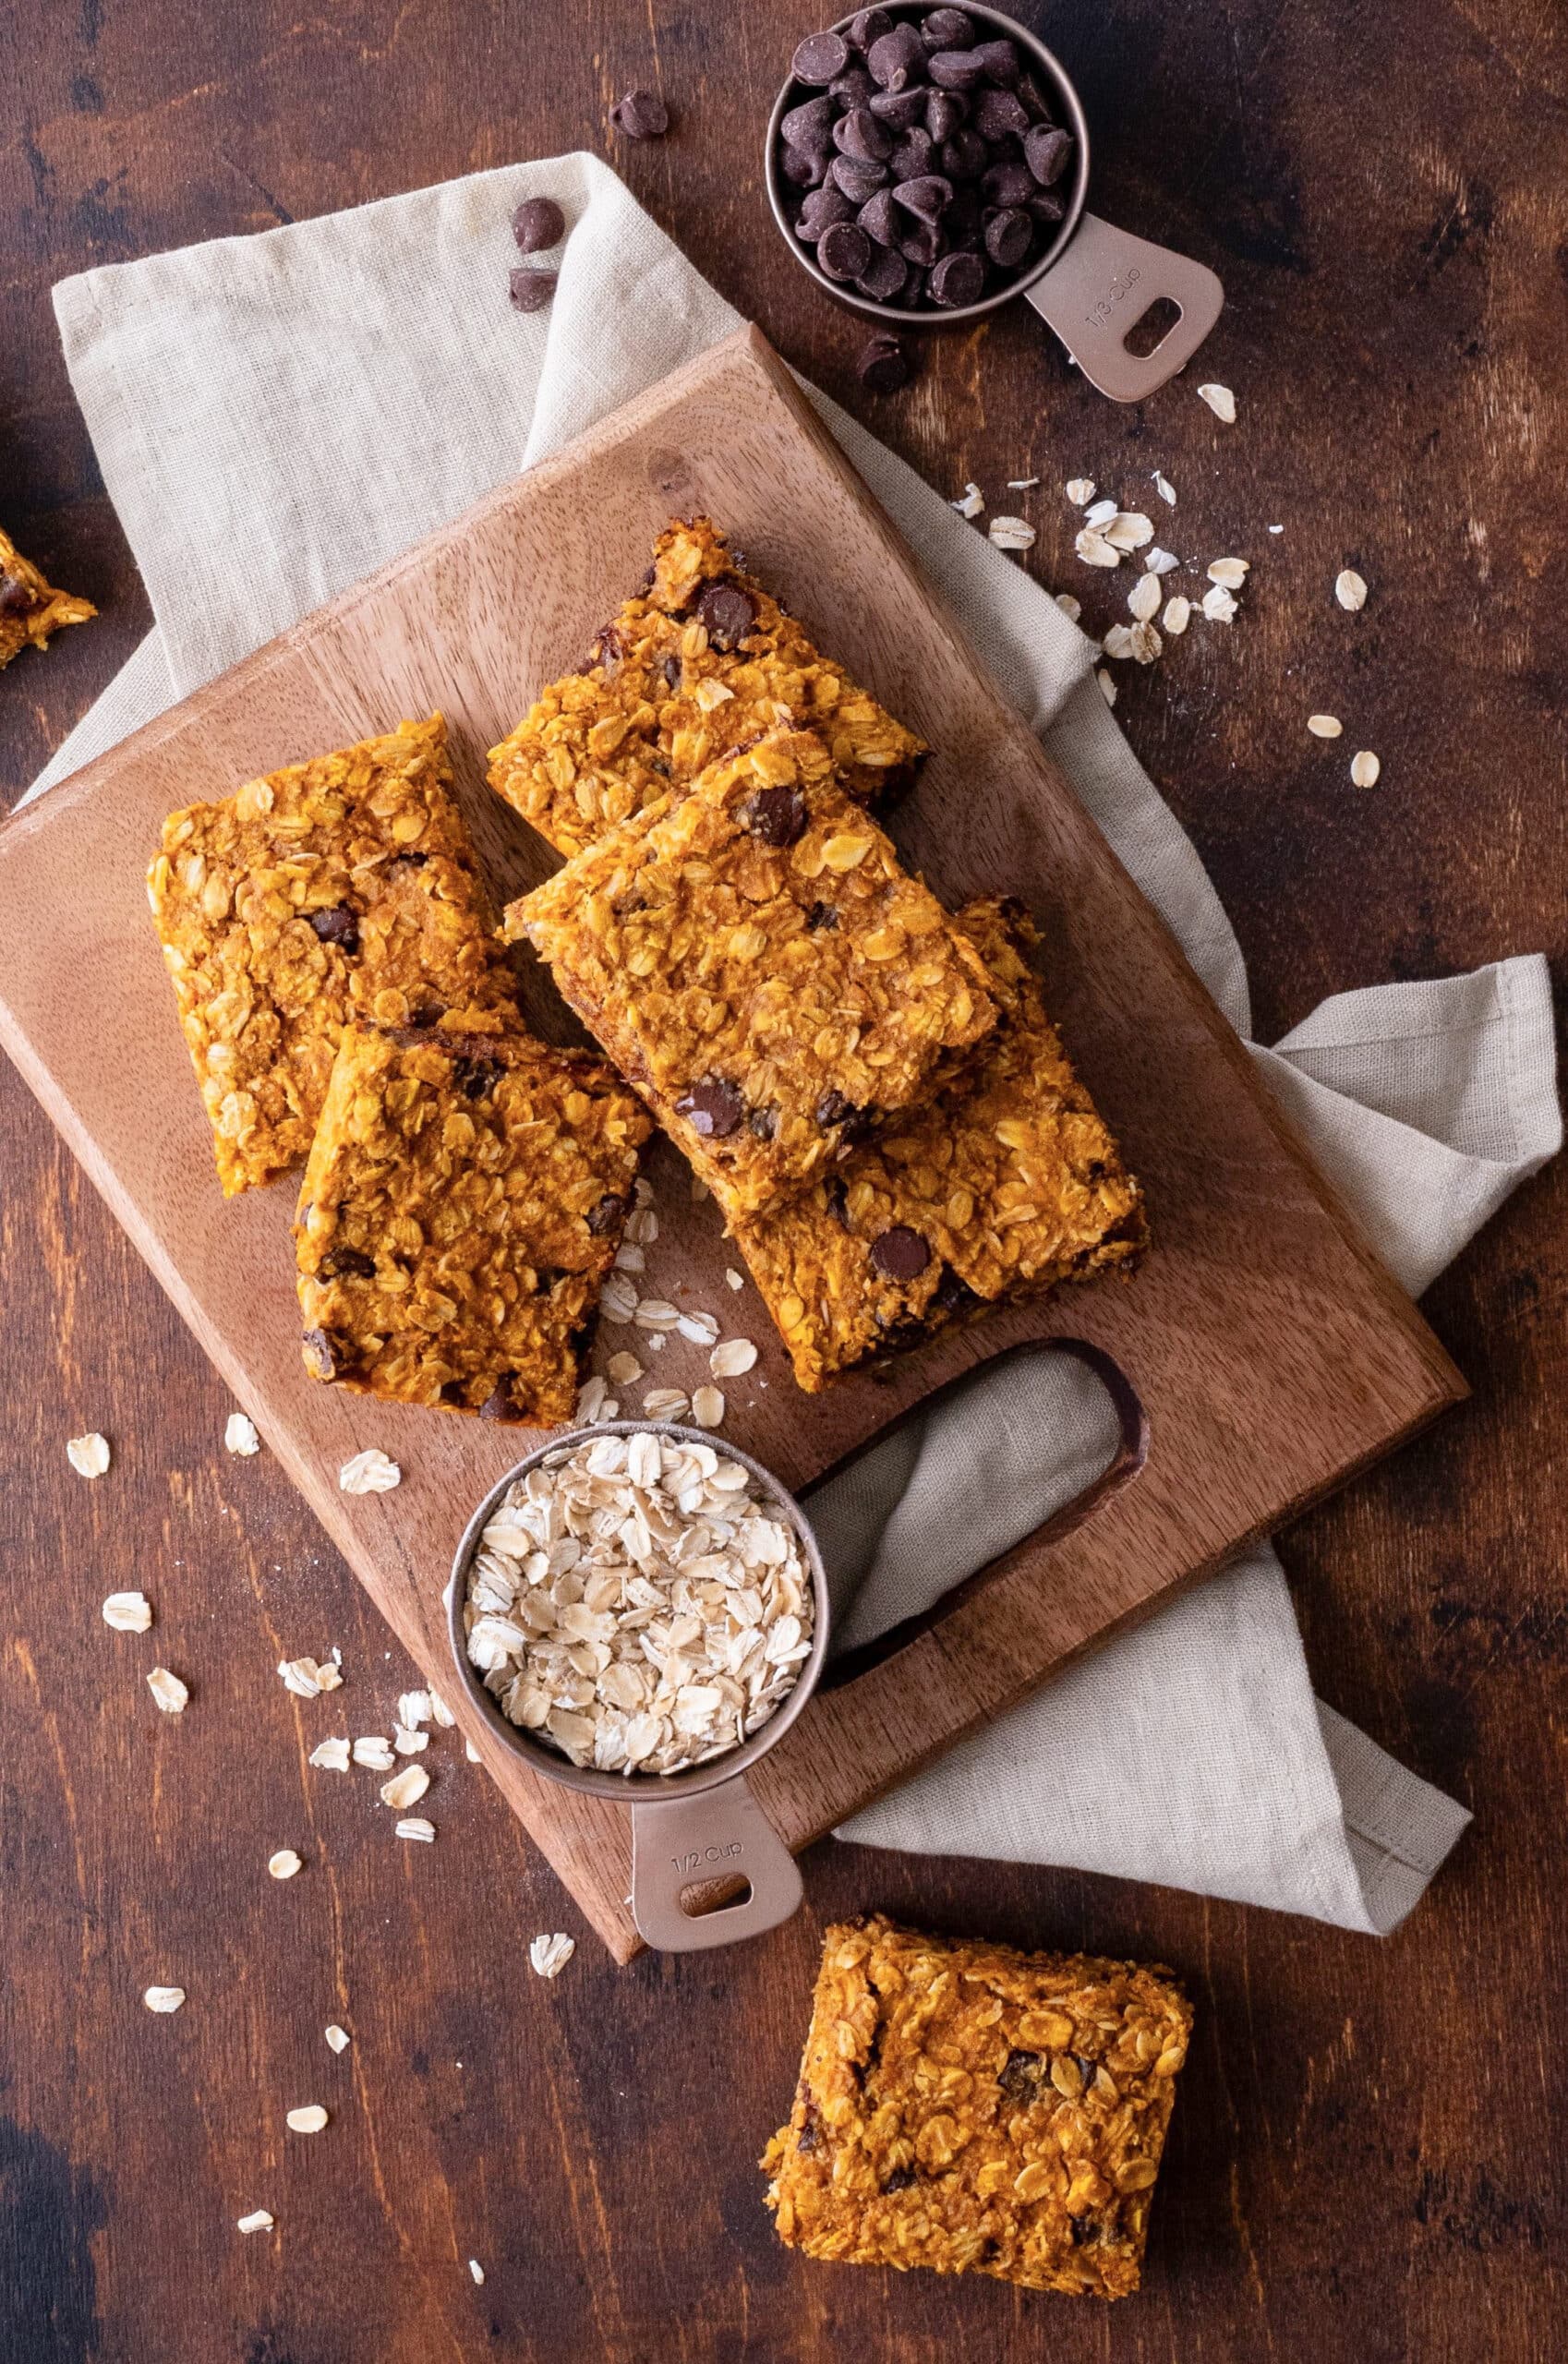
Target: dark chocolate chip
[(538, 223), (532, 290), (346, 1264), (900, 109), (822, 915), (339, 926), (670, 669), (475, 1078), (641, 114), (821, 209), (901, 1254), (452, 1392), (879, 218), (810, 125), (835, 1109), (883, 365), (1046, 205), (911, 158), (944, 111), (923, 245), (958, 69), (821, 57), (953, 1293), (1010, 184), (883, 279), (805, 167), (858, 181), (15, 596), (1022, 2074), (1009, 236), (869, 26), (853, 88), (497, 1404), (963, 155), (606, 650), (948, 29), (914, 286), (901, 2177), (777, 815), (835, 1197), (858, 134), (999, 62), (962, 220), (764, 1123), (326, 1354), (1047, 152), (844, 250), (428, 1015), (927, 197), (713, 1107), (605, 1214), (957, 279), (894, 59), (727, 612), (999, 114)]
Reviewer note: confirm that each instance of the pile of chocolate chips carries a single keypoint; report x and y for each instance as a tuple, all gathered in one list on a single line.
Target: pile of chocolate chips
[(929, 167)]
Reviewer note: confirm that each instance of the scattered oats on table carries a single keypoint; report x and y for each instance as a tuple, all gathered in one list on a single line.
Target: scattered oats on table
[(1365, 768), (1100, 515), (1218, 605), (1072, 609), (1128, 530), (370, 1472), (240, 1436), (972, 502), (477, 2270), (414, 1826), (412, 1708), (1079, 490), (549, 1956), (734, 1279), (284, 1864), (1095, 550), (1221, 401), (1348, 588), (89, 1455), (1177, 616), (1146, 643), (1107, 687), (1232, 571), (1022, 484), (733, 1358), (408, 1741), (163, 1998), (1011, 533), (1159, 561), (1143, 600), (1324, 726), (308, 1678), (406, 1789), (308, 2121), (1118, 642), (372, 1750), (128, 1612), (331, 1755), (260, 2220), (707, 1408), (1164, 488), (168, 1690), (337, 2037), (666, 1403)]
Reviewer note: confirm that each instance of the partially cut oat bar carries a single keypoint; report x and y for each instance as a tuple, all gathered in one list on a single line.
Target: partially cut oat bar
[(1008, 1182), (702, 659), (31, 608), (758, 963), (976, 2110), (463, 1199), (342, 886)]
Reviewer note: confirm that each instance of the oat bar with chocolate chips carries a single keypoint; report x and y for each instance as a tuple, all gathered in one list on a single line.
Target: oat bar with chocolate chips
[(701, 659), (1004, 1183), (760, 966), (341, 887), (976, 2110), (31, 608), (463, 1200)]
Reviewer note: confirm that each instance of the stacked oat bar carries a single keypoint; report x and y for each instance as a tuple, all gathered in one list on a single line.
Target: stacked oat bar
[(871, 1087)]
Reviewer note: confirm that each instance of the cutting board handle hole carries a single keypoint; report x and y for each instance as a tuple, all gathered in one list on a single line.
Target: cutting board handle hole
[(870, 1574)]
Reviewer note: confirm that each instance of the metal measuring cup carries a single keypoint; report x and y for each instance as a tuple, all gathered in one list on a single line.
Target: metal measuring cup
[(689, 1827), (1093, 283)]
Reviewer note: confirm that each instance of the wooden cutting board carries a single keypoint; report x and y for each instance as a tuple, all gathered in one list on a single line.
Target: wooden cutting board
[(1261, 1357)]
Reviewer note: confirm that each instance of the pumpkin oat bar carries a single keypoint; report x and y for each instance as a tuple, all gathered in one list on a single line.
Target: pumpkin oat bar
[(31, 608), (344, 885), (976, 2110), (699, 660), (1004, 1183), (760, 968), (463, 1199)]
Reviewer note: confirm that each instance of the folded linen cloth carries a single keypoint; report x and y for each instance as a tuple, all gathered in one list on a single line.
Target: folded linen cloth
[(276, 415)]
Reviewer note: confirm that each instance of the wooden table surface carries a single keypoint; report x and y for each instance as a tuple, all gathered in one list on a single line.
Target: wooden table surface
[(1367, 2159)]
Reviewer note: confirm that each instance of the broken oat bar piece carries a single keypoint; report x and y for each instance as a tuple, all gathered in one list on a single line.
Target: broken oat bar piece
[(758, 963), (977, 2110), (31, 608), (463, 1199), (1004, 1183), (341, 887), (701, 659)]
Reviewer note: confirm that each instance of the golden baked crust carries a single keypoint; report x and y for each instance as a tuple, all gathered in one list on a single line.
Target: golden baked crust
[(1004, 1183), (31, 608), (760, 966), (464, 1198), (977, 2110), (346, 884), (699, 660)]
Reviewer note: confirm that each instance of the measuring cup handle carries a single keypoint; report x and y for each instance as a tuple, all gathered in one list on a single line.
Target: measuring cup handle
[(719, 1834), (1102, 287)]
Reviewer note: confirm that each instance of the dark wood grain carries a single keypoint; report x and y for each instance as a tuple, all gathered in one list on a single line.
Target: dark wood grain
[(1367, 2159)]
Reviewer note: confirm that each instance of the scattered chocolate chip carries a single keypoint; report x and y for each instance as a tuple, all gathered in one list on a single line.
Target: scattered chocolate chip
[(1022, 2074), (957, 279), (713, 1107), (901, 2177), (821, 57), (869, 26), (497, 1404), (901, 1254), (764, 1124), (884, 366), (777, 815), (844, 250), (339, 926), (926, 198), (532, 290), (1088, 2232), (999, 114), (856, 179), (858, 134), (894, 58), (958, 69), (641, 114), (726, 613), (538, 223), (1047, 152), (882, 278), (1009, 235), (822, 915), (15, 596), (326, 1356), (605, 1214), (346, 1264)]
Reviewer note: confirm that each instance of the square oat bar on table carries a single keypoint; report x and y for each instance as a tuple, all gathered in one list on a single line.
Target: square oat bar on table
[(463, 1200), (758, 963), (31, 608), (1004, 1183), (341, 887), (700, 660), (977, 2110)]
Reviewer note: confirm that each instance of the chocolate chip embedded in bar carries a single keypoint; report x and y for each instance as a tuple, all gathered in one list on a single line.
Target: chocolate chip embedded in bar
[(766, 1045), (926, 144)]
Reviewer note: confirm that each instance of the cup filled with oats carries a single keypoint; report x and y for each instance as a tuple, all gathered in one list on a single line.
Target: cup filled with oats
[(641, 1614)]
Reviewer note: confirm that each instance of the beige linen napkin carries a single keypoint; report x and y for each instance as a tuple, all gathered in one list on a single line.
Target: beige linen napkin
[(276, 415)]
